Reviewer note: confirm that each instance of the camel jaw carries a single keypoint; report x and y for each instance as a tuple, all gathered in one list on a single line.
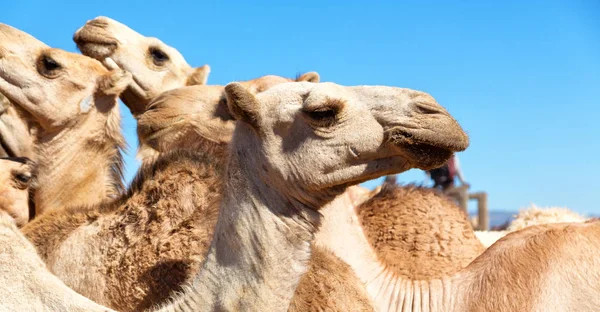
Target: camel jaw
[(426, 149)]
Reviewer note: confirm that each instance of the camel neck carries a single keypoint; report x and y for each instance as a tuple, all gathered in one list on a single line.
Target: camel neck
[(80, 165), (260, 249), (342, 233)]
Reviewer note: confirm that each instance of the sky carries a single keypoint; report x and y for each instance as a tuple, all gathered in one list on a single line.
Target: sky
[(521, 77)]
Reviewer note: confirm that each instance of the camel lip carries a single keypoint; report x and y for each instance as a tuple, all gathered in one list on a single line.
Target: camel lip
[(94, 45), (426, 139), (97, 50), (424, 152)]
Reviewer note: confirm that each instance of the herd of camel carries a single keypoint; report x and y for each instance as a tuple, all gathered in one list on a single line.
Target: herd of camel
[(247, 197)]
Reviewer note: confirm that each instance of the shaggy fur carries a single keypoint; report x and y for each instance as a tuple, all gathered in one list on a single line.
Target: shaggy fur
[(417, 232), (149, 241), (327, 281)]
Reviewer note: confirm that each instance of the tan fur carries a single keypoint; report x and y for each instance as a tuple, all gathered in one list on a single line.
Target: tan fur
[(143, 246), (329, 285), (16, 177), (418, 233), (532, 215), (535, 215), (193, 111), (72, 101)]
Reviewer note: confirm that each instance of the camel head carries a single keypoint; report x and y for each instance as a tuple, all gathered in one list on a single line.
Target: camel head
[(16, 176), (155, 66), (56, 87), (314, 140), (185, 117)]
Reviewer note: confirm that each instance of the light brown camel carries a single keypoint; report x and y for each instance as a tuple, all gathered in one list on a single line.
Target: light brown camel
[(16, 132), (532, 215), (16, 176), (156, 66), (144, 273), (100, 38), (174, 115), (73, 101), (293, 152)]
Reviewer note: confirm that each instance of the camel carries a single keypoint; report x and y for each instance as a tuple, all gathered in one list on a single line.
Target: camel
[(60, 87), (156, 66), (174, 115), (143, 276), (101, 38), (97, 38), (16, 176), (287, 215), (532, 215), (92, 40)]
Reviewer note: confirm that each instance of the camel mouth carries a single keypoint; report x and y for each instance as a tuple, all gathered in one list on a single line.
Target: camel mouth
[(97, 50), (95, 45), (425, 151)]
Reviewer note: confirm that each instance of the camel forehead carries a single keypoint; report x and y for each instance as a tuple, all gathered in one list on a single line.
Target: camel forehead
[(264, 83), (128, 38), (8, 166), (17, 40), (304, 93)]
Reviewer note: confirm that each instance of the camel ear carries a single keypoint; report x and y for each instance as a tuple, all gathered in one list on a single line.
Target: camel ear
[(310, 77), (114, 82), (199, 76), (242, 104)]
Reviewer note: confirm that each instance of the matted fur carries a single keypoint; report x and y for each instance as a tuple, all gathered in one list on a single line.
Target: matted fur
[(149, 241), (328, 280), (417, 232)]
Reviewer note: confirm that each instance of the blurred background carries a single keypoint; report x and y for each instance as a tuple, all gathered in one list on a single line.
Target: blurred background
[(521, 77)]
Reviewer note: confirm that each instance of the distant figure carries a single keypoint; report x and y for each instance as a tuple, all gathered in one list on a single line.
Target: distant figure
[(443, 177)]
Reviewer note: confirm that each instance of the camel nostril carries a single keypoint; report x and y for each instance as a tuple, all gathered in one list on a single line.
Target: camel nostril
[(427, 108), (98, 22)]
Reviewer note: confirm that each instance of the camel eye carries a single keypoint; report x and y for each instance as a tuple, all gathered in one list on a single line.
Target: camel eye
[(158, 57), (324, 117), (48, 66), (23, 178)]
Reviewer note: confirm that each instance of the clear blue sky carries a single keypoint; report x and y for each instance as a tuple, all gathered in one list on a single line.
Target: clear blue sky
[(522, 77)]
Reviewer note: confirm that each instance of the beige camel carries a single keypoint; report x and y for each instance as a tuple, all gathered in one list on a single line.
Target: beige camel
[(268, 240), (120, 278), (16, 131), (156, 66), (16, 176), (174, 116), (73, 101), (169, 123), (532, 215)]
